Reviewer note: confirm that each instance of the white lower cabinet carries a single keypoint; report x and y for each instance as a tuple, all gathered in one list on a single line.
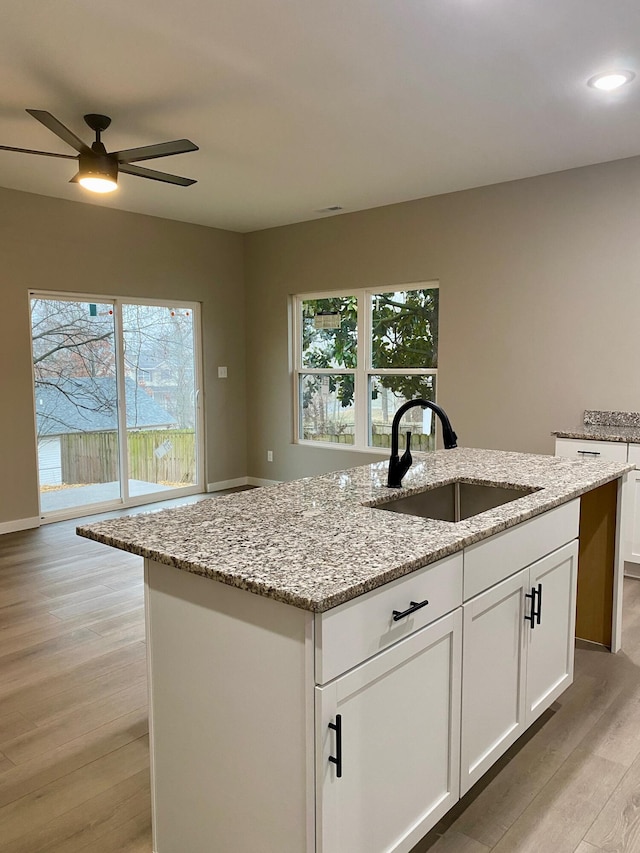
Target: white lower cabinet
[(550, 639), (614, 451), (632, 533), (576, 448), (632, 541), (493, 709), (354, 730), (388, 744), (518, 652)]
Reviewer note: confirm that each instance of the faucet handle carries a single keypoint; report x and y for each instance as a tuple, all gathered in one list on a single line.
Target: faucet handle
[(406, 456)]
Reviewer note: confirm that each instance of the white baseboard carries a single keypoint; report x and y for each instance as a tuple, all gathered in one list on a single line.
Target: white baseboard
[(258, 481), (240, 481), (19, 524), (227, 484), (631, 570)]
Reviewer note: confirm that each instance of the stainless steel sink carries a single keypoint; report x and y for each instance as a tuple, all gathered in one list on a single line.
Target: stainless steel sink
[(456, 501)]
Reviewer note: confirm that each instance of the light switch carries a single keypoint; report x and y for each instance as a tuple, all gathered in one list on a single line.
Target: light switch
[(222, 373)]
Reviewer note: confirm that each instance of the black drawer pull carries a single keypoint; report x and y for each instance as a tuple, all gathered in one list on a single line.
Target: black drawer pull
[(415, 605), (589, 452), (337, 760)]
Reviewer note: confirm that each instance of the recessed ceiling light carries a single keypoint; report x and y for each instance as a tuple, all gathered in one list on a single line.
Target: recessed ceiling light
[(611, 80)]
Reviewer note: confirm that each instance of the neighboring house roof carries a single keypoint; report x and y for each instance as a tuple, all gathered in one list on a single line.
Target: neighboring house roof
[(88, 404)]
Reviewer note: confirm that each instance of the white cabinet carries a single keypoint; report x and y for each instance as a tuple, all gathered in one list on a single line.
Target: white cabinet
[(614, 451), (283, 731), (632, 540), (351, 633), (517, 657), (388, 744), (632, 537), (608, 451), (609, 539), (549, 638), (493, 708), (492, 560)]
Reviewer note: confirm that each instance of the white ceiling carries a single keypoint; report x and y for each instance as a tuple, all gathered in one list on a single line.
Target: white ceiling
[(297, 105)]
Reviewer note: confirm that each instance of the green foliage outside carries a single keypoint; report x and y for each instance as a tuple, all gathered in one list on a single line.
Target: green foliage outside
[(404, 335)]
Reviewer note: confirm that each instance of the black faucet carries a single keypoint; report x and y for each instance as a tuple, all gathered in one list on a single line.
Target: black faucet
[(399, 467)]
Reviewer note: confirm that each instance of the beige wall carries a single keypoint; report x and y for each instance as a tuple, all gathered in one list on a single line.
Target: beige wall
[(539, 305), (49, 244), (540, 295)]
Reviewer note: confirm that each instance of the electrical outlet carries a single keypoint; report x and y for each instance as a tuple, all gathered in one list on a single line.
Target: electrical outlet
[(222, 373), (269, 455)]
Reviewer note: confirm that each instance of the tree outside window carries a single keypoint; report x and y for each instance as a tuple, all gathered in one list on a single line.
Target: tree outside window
[(359, 357)]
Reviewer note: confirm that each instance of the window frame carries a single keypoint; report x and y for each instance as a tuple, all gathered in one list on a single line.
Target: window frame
[(126, 499), (363, 370)]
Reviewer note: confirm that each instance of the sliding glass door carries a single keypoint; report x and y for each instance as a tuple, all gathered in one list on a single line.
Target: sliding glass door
[(116, 402), (160, 395)]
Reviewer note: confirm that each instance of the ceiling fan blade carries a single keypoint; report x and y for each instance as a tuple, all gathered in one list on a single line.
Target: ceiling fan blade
[(150, 152), (42, 153), (141, 172), (55, 126)]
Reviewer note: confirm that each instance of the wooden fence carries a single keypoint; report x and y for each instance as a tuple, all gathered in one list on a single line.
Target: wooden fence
[(155, 456), (382, 440)]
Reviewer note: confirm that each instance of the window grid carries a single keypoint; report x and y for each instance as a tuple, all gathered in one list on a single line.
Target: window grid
[(362, 373)]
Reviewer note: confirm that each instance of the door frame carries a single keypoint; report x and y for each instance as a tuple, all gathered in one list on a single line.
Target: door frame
[(125, 499)]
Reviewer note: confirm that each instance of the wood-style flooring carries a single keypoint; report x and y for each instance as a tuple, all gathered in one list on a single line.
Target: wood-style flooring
[(74, 758), (571, 784)]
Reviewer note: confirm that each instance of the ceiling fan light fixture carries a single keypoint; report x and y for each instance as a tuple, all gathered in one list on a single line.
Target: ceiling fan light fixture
[(98, 173), (98, 184), (99, 168)]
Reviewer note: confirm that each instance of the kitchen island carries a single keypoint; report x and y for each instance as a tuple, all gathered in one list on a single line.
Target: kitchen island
[(351, 671)]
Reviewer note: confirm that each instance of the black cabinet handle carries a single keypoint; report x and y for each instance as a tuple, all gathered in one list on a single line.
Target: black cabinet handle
[(589, 452), (415, 605), (534, 618), (539, 611), (337, 760)]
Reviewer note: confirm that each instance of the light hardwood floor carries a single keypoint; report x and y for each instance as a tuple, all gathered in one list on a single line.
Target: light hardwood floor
[(74, 761)]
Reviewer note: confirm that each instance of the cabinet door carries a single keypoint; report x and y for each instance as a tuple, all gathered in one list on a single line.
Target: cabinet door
[(632, 521), (550, 641), (393, 726), (493, 676)]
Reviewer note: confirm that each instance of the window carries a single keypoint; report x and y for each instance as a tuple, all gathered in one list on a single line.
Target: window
[(358, 356), (105, 437)]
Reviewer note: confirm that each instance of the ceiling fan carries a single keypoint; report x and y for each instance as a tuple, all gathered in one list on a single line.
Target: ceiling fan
[(99, 168)]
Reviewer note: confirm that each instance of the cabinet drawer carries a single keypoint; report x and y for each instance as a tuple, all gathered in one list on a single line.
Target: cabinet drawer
[(609, 451), (491, 561), (357, 630), (634, 455)]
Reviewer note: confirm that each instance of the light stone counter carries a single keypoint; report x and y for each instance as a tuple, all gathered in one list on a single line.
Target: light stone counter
[(605, 426), (601, 432), (318, 542)]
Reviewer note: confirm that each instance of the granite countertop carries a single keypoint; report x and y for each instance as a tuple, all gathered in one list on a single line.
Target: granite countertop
[(601, 432), (318, 542), (605, 426)]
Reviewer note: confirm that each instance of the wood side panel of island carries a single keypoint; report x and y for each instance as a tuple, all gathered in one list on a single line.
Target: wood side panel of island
[(596, 564)]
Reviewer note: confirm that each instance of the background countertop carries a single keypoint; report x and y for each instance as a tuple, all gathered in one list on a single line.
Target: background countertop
[(605, 426), (601, 432)]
